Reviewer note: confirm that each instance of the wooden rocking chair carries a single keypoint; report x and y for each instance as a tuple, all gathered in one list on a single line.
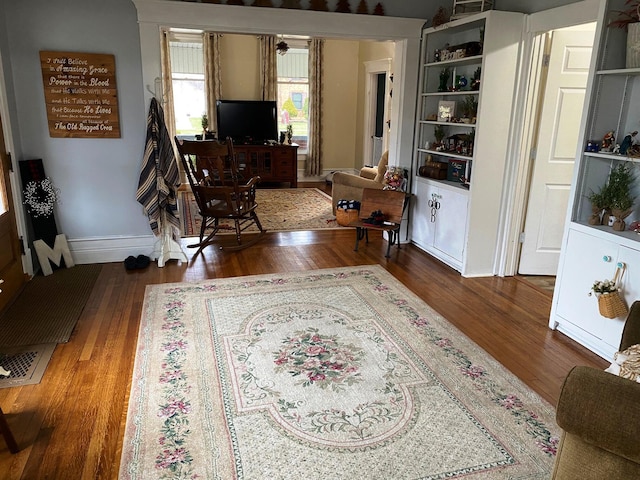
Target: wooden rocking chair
[(224, 202)]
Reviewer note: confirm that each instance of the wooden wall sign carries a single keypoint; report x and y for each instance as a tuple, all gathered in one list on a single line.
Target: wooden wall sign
[(80, 94)]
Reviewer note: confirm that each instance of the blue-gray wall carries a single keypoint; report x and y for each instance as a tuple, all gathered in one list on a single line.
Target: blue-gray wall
[(98, 178)]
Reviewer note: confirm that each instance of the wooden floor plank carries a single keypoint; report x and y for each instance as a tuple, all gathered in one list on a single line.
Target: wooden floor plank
[(71, 424)]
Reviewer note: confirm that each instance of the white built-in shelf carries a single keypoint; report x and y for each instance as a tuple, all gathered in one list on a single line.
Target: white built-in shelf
[(453, 124), (620, 71), (628, 238), (456, 61), (450, 183), (611, 156), (457, 92), (445, 154)]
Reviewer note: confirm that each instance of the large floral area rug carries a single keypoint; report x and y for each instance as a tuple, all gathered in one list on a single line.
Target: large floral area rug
[(327, 374), (279, 210)]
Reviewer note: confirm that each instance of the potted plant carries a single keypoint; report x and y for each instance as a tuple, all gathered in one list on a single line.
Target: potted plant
[(469, 109), (629, 18), (620, 181), (438, 133), (598, 206)]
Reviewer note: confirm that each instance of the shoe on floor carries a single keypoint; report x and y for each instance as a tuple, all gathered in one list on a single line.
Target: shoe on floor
[(142, 261), (130, 263)]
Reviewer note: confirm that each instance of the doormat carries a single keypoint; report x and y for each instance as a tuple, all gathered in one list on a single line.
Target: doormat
[(26, 364), (48, 308)]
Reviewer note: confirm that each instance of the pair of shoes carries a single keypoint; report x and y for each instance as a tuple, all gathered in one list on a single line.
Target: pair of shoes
[(376, 218), (134, 263)]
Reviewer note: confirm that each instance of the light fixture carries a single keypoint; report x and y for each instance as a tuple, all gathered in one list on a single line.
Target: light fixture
[(282, 47)]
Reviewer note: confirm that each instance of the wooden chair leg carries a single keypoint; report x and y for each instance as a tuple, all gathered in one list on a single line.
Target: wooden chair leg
[(6, 433), (360, 234)]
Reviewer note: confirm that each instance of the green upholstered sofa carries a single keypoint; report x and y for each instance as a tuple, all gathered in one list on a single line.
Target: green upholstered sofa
[(600, 415)]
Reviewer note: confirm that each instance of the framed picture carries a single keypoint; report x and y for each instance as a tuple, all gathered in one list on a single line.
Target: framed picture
[(457, 171), (446, 110)]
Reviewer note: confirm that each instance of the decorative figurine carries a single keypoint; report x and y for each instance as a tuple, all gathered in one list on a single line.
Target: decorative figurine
[(444, 80), (629, 140), (607, 141)]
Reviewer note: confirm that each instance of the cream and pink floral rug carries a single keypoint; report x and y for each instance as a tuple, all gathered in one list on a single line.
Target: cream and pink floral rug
[(279, 210), (326, 374)]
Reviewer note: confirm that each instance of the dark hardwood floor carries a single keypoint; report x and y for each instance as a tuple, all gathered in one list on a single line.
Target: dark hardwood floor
[(71, 425)]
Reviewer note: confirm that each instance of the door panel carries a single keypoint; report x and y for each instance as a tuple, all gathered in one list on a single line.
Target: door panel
[(11, 276), (557, 141)]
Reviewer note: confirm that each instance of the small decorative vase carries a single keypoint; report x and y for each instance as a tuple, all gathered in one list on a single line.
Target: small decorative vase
[(619, 224), (595, 218), (633, 45)]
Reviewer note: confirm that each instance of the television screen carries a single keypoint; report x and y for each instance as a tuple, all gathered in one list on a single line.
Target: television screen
[(247, 121)]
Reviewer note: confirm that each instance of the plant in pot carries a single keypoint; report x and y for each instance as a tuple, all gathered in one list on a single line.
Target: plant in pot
[(438, 133), (469, 109), (629, 19), (599, 204), (620, 181)]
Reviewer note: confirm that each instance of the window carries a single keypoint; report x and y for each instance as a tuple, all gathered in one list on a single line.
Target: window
[(187, 73), (293, 92)]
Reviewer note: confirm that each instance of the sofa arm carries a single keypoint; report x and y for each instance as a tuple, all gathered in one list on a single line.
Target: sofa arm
[(602, 409)]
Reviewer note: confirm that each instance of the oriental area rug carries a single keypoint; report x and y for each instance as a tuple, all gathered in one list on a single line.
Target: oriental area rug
[(327, 374), (279, 210)]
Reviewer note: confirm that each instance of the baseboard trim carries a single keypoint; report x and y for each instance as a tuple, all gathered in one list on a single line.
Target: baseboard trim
[(109, 249)]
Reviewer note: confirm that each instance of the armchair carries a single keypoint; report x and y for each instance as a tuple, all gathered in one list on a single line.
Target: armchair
[(600, 415), (346, 186)]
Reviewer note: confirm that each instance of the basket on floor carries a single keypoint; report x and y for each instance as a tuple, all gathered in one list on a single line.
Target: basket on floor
[(611, 305), (345, 216)]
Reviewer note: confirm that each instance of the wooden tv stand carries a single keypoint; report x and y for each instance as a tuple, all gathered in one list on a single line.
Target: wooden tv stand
[(272, 163)]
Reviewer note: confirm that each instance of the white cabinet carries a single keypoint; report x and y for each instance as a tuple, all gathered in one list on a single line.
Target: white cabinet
[(439, 222), (471, 61), (589, 258), (612, 96)]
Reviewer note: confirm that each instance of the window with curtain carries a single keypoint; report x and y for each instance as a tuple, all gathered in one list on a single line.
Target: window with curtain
[(293, 92), (187, 79)]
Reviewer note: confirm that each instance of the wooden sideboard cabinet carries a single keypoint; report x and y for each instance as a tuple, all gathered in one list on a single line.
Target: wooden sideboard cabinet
[(272, 163)]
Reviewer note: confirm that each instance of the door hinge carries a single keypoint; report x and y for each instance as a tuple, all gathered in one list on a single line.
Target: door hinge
[(23, 251), (521, 237), (545, 60), (9, 162), (533, 153)]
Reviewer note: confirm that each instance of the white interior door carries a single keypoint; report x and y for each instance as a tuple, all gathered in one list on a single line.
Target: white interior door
[(557, 141)]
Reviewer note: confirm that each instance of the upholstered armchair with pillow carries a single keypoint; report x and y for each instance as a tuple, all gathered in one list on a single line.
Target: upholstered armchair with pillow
[(599, 413), (346, 186)]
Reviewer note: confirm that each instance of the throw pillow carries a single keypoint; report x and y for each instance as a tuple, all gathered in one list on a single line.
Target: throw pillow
[(627, 363)]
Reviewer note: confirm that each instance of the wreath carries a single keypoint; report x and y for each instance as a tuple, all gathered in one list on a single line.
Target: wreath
[(40, 196)]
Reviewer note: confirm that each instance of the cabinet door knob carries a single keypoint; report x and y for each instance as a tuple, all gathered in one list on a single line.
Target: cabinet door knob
[(606, 258)]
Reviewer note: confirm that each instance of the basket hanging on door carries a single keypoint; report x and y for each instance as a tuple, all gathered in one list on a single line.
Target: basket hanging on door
[(610, 301)]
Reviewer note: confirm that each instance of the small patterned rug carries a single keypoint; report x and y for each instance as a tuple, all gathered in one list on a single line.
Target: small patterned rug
[(328, 374), (279, 210)]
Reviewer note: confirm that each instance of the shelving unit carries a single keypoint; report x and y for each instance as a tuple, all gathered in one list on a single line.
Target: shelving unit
[(591, 252), (487, 44)]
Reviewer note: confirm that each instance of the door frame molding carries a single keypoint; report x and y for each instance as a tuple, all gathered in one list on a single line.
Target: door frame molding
[(518, 173), (372, 69), (14, 180)]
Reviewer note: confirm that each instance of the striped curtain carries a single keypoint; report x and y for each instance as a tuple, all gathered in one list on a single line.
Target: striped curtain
[(212, 80), (314, 157), (167, 94), (268, 67), (167, 87)]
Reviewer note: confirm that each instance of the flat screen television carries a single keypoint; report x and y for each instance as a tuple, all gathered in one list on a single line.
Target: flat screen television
[(247, 121)]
